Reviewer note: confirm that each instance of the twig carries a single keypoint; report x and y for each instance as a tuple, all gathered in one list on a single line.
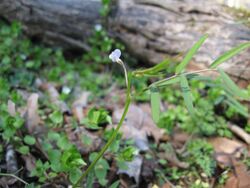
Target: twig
[(240, 133), (166, 179), (14, 176)]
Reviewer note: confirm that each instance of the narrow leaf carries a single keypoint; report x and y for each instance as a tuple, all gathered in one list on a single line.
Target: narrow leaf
[(237, 106), (229, 54), (232, 86), (115, 184), (155, 104), (199, 77), (153, 70), (190, 54), (187, 95), (163, 83), (90, 179)]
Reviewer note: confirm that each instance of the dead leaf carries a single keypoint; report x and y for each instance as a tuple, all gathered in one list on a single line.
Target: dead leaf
[(148, 170), (242, 174), (224, 160), (226, 150), (232, 182), (227, 146), (179, 139), (30, 161), (139, 137), (166, 185), (134, 168), (80, 103), (32, 118), (240, 178), (11, 108), (54, 96), (115, 98), (138, 124), (10, 158), (7, 181), (84, 140), (170, 155)]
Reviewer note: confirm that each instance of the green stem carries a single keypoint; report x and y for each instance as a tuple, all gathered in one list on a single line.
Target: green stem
[(111, 139)]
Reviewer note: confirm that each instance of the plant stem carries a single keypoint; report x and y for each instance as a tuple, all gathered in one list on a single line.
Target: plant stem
[(111, 139), (176, 75), (14, 176), (120, 62)]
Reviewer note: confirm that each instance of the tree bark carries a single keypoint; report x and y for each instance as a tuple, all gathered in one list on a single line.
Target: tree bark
[(151, 29), (64, 23)]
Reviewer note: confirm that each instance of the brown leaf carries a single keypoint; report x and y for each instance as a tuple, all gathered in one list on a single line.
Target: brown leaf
[(54, 96), (166, 185), (170, 155), (148, 170), (242, 174), (240, 178), (32, 118), (80, 103), (11, 108), (138, 124), (79, 138), (10, 158), (232, 182), (226, 150), (133, 168), (227, 146), (30, 161)]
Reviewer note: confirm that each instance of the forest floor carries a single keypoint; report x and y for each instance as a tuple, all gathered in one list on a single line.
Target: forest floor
[(57, 112)]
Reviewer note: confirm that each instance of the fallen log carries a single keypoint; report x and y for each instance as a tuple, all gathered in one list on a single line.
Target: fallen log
[(151, 29)]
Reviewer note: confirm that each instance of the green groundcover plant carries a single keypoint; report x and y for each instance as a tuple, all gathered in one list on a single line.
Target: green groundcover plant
[(182, 78), (21, 62)]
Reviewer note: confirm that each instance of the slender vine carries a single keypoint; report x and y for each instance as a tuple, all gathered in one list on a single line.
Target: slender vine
[(114, 134)]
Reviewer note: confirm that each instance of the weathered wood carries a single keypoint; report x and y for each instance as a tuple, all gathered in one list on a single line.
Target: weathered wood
[(151, 29), (64, 23), (156, 29)]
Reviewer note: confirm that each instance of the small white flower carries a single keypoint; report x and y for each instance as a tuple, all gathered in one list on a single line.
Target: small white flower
[(98, 27), (66, 90), (115, 55)]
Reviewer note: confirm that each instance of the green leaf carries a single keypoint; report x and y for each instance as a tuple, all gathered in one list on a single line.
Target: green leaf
[(74, 175), (63, 143), (56, 117), (24, 150), (115, 184), (190, 54), (53, 135), (155, 104), (90, 179), (153, 70), (187, 95), (229, 54), (54, 157), (236, 105), (18, 122), (30, 140), (101, 170), (127, 154), (232, 86), (163, 83)]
